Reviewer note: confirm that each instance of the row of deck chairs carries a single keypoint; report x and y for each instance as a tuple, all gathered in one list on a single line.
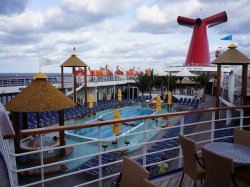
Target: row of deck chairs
[(224, 133), (52, 117), (188, 101), (106, 170), (139, 98)]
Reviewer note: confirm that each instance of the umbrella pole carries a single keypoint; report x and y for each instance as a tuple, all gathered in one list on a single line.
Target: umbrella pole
[(127, 139), (115, 142), (38, 120)]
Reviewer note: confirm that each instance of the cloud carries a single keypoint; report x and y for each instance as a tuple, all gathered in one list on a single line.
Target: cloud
[(161, 18), (102, 8), (152, 20), (22, 28), (8, 7), (31, 26), (126, 33), (78, 13)]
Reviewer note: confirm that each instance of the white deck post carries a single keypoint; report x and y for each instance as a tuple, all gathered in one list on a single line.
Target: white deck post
[(212, 126), (41, 159), (100, 155), (12, 162), (145, 141), (241, 118), (182, 133), (229, 117)]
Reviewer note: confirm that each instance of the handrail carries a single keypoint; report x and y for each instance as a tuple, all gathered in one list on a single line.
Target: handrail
[(108, 122), (5, 124), (7, 130)]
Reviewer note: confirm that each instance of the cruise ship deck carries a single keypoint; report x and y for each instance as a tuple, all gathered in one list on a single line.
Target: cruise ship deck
[(199, 133)]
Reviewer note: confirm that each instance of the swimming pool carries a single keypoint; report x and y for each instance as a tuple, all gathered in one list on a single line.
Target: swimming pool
[(92, 147), (126, 112)]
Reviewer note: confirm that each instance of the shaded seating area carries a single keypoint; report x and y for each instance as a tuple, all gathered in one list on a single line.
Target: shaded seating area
[(221, 164), (39, 96)]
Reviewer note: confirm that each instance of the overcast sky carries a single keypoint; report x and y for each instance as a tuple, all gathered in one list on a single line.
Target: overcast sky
[(128, 33)]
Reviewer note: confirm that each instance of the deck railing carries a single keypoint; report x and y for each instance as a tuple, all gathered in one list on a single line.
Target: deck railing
[(153, 141)]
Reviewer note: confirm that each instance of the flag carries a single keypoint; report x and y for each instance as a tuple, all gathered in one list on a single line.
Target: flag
[(230, 37), (47, 62)]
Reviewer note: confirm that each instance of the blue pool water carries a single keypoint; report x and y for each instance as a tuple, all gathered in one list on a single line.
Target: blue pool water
[(126, 112)]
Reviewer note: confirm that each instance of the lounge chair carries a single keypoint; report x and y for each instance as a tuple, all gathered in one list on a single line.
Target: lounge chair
[(184, 101), (193, 102), (188, 101), (191, 161), (180, 100)]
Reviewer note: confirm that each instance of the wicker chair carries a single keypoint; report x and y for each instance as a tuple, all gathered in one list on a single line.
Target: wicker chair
[(219, 170), (242, 137), (132, 173), (242, 172), (148, 183), (191, 165)]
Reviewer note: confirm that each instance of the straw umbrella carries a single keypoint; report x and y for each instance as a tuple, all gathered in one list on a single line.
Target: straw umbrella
[(39, 96), (91, 99), (119, 94), (117, 126), (158, 104), (169, 102), (74, 62), (184, 73)]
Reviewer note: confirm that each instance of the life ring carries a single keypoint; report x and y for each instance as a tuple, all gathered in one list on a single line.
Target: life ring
[(152, 105)]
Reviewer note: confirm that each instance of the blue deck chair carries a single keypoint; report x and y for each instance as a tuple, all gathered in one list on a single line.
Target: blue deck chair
[(180, 100), (184, 101)]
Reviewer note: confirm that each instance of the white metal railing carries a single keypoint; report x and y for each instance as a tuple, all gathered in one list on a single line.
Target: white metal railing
[(7, 146), (234, 98), (189, 91), (143, 139)]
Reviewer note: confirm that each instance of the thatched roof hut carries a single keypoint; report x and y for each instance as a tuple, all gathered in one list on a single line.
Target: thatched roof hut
[(232, 56), (39, 96)]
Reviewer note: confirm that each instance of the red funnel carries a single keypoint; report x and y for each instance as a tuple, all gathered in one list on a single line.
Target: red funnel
[(198, 53)]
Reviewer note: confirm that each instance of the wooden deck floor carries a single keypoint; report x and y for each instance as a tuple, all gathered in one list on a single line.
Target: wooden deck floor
[(174, 181)]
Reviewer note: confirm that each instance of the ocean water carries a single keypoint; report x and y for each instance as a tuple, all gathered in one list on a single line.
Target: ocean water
[(67, 76), (32, 74)]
